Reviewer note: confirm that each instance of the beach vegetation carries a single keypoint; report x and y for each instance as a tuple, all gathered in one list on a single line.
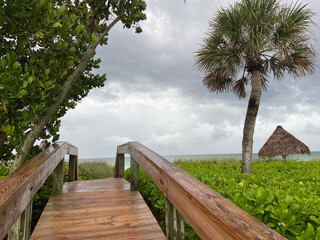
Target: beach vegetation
[(246, 43), (95, 170), (284, 196)]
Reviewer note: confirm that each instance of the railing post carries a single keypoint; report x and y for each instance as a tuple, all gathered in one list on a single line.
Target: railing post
[(134, 181), (73, 166), (16, 231), (121, 165), (174, 222), (21, 229), (26, 221), (58, 178)]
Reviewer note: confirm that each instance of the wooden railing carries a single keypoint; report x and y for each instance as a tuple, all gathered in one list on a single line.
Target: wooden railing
[(209, 214), (18, 189)]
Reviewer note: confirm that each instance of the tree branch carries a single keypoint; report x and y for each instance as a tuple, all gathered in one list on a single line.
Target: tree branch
[(52, 109), (96, 11)]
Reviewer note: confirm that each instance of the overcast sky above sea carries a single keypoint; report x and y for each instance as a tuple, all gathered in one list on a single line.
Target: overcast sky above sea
[(154, 93)]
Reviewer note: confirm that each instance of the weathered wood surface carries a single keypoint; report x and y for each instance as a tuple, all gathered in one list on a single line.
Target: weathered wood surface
[(21, 229), (97, 209), (18, 188), (121, 165), (210, 215), (174, 223), (73, 168), (58, 175), (134, 175)]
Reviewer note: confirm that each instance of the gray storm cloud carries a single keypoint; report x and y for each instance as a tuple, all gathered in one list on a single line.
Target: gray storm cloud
[(154, 93)]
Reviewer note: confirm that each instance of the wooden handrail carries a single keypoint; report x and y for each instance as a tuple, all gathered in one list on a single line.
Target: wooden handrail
[(18, 188), (209, 214)]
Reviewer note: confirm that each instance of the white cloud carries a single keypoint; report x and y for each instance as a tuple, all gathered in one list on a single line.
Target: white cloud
[(154, 93)]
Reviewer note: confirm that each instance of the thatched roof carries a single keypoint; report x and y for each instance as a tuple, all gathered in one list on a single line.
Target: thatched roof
[(282, 143)]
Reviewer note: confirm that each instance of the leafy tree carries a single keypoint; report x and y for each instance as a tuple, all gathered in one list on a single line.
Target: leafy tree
[(46, 59), (249, 40)]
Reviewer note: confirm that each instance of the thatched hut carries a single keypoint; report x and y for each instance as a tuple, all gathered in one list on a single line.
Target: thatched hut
[(282, 143)]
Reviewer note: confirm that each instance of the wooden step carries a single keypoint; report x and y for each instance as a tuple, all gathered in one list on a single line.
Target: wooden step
[(97, 209)]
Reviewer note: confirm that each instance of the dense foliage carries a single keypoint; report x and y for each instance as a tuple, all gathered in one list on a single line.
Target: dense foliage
[(285, 196), (46, 62), (95, 170), (4, 169)]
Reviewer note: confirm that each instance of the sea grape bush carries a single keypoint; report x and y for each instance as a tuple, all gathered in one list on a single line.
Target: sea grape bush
[(284, 196), (4, 169)]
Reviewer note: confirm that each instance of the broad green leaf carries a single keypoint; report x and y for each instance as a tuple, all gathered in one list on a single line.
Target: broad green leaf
[(5, 100), (317, 237), (25, 115), (30, 80), (8, 129), (39, 34), (56, 24), (4, 76), (25, 84), (62, 9), (20, 94)]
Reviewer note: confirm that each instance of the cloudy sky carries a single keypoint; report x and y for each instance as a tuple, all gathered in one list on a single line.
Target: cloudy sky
[(154, 93)]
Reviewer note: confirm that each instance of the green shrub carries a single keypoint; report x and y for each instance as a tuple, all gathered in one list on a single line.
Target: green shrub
[(84, 174), (95, 170), (4, 169), (285, 196)]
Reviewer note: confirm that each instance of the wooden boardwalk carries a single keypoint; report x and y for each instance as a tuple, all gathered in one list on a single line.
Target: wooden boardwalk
[(114, 209), (97, 209)]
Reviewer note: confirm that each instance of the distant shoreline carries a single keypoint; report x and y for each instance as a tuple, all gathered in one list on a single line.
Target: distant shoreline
[(171, 158)]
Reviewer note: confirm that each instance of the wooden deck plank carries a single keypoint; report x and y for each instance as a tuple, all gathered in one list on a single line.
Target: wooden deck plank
[(97, 209)]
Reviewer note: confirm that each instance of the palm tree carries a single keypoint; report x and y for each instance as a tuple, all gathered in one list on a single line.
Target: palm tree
[(248, 41)]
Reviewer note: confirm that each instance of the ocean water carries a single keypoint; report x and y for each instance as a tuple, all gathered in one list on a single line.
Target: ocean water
[(171, 158)]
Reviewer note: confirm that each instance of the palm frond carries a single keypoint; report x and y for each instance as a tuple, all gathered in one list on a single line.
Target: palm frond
[(212, 56), (239, 87), (228, 23), (303, 62), (292, 29), (256, 35), (299, 61), (264, 82), (260, 17), (219, 80)]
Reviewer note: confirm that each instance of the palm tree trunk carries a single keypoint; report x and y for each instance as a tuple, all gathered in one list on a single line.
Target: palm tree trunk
[(250, 121)]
